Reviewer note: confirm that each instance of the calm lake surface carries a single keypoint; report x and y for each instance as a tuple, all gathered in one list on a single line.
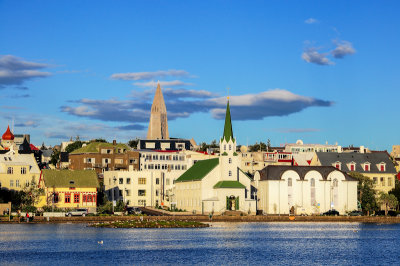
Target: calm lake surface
[(222, 243)]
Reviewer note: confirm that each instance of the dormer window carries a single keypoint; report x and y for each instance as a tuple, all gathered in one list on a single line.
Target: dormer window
[(367, 167), (382, 167), (352, 166), (338, 165)]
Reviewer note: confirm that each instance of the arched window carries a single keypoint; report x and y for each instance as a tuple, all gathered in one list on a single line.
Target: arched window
[(335, 192), (230, 160), (312, 183), (335, 183), (290, 193), (230, 173), (289, 182)]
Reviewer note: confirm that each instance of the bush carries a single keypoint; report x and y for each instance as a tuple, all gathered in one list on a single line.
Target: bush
[(29, 209)]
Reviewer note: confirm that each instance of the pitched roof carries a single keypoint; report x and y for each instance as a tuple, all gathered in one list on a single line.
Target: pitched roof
[(275, 172), (229, 184), (94, 147), (199, 170), (18, 160), (228, 132), (375, 158), (68, 178)]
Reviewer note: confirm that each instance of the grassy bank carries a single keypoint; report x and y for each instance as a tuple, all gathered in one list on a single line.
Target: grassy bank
[(150, 224)]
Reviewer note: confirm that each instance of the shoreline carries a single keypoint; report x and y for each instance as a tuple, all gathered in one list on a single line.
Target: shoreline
[(204, 218)]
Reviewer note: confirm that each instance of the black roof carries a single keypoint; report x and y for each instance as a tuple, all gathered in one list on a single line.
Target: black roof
[(275, 172), (375, 158)]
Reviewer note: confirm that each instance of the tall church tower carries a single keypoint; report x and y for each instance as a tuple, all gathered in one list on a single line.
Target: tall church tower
[(158, 125), (228, 158)]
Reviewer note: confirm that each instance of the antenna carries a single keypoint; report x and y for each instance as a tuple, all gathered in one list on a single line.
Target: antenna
[(12, 125)]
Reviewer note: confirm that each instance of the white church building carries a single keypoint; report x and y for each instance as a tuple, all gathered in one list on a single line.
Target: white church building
[(217, 185), (305, 190)]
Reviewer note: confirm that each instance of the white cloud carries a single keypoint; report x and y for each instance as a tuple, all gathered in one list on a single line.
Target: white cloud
[(311, 55), (311, 21), (342, 49), (150, 75), (153, 84)]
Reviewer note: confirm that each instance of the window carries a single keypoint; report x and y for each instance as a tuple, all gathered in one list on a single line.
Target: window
[(230, 160), (390, 182), (230, 147), (289, 182), (120, 193), (157, 181), (224, 147), (366, 167), (76, 198), (128, 180), (67, 198), (141, 192), (157, 193), (382, 181), (27, 183), (84, 198), (230, 173), (142, 202), (142, 181), (375, 180), (11, 183), (167, 181), (121, 181), (352, 167), (17, 183), (127, 192), (335, 183), (55, 197), (10, 170), (312, 183), (382, 168), (23, 170)]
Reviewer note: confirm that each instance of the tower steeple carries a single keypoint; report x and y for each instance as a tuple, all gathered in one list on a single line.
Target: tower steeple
[(158, 125), (228, 132)]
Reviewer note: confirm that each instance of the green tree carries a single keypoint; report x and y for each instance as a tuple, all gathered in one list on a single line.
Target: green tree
[(106, 207), (74, 146), (269, 145), (388, 200), (258, 147), (396, 190), (99, 140), (366, 193), (55, 157), (133, 143), (30, 196)]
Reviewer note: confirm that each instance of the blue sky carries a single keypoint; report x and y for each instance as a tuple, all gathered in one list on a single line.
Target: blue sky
[(313, 70)]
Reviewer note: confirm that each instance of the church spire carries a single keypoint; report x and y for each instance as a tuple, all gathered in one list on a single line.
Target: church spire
[(228, 132), (158, 125)]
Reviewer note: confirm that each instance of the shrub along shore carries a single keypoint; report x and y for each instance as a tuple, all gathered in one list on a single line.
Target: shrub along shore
[(150, 224)]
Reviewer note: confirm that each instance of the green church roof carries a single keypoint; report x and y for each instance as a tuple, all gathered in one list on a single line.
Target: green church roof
[(229, 184), (69, 178), (228, 132), (199, 170), (94, 147)]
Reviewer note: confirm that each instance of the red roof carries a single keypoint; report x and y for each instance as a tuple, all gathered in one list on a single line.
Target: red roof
[(8, 135), (33, 148)]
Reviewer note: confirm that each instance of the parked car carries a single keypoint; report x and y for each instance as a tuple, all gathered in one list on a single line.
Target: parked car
[(77, 212), (133, 210), (356, 213), (331, 213)]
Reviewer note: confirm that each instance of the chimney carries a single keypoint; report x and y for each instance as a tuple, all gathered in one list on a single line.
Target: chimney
[(114, 142), (361, 149)]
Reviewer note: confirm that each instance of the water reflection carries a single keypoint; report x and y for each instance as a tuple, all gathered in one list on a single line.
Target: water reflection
[(222, 243)]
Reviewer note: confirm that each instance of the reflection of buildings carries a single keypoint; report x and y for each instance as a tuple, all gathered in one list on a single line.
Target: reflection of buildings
[(305, 190), (216, 185)]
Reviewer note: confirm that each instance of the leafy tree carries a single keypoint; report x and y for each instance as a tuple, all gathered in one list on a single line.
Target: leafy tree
[(258, 147), (74, 146), (269, 145), (396, 190), (106, 207), (100, 140), (120, 206), (133, 143), (388, 200), (366, 193), (30, 196), (55, 157)]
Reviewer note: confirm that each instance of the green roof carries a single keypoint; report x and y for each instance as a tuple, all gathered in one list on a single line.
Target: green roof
[(94, 147), (228, 132), (229, 184), (69, 178), (199, 170)]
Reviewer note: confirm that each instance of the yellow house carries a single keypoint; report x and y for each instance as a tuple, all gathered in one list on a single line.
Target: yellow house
[(18, 170), (69, 189)]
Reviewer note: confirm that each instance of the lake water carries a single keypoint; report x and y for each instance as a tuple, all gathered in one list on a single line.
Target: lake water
[(222, 243)]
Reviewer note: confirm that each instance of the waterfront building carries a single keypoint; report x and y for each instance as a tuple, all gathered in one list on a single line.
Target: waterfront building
[(141, 188), (304, 190), (18, 170), (217, 185), (376, 165), (102, 156), (300, 147), (69, 189)]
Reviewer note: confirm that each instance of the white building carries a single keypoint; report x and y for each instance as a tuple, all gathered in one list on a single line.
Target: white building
[(217, 185), (305, 190)]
